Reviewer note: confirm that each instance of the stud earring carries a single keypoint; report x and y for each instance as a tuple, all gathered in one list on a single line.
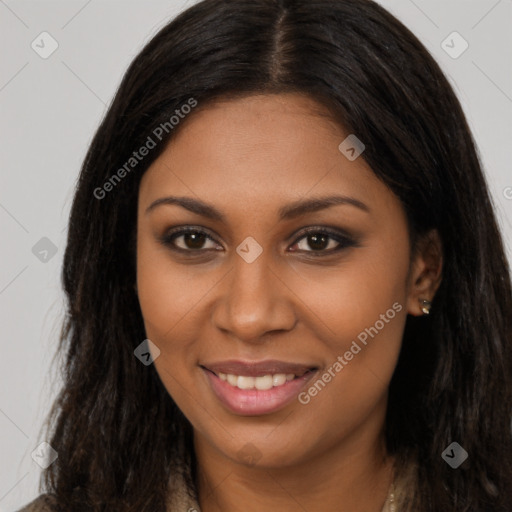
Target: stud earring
[(425, 306)]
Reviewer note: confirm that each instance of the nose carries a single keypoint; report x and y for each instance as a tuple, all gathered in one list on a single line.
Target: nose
[(254, 301)]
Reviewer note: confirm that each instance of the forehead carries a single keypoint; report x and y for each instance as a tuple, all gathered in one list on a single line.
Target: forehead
[(259, 150)]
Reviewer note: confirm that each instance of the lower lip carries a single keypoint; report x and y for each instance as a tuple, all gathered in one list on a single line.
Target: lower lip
[(252, 402)]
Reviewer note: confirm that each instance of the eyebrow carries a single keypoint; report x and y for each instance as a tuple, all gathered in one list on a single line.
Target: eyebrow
[(290, 211)]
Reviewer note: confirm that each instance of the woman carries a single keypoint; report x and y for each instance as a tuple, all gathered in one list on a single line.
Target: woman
[(286, 285)]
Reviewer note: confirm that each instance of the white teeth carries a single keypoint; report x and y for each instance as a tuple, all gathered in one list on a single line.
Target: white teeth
[(232, 379), (262, 383), (245, 382), (279, 379)]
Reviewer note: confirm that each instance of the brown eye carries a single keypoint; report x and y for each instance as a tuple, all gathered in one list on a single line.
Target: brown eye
[(317, 242), (322, 241), (193, 240), (189, 240)]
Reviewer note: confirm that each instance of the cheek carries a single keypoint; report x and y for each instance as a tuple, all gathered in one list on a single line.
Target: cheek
[(168, 304), (361, 351), (345, 299), (359, 313), (169, 293)]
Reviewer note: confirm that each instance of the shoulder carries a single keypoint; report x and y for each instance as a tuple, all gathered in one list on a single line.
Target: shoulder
[(43, 503)]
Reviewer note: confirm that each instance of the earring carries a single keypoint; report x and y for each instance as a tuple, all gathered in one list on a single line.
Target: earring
[(425, 306)]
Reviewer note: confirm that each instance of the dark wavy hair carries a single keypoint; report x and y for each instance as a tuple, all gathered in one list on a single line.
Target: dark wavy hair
[(114, 425)]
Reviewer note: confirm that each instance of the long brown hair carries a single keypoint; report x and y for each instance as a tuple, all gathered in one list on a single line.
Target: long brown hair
[(115, 427)]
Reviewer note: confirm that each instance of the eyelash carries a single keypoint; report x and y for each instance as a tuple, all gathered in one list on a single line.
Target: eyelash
[(343, 240)]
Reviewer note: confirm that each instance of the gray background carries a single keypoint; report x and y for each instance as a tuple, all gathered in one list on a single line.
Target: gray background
[(49, 110)]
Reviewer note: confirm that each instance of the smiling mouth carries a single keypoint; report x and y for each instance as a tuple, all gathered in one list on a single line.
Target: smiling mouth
[(262, 382), (260, 393)]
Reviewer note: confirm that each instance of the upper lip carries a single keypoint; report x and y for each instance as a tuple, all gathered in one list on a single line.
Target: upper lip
[(258, 368)]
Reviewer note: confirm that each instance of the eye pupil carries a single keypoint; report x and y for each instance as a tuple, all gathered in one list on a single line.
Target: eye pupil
[(318, 241), (196, 239)]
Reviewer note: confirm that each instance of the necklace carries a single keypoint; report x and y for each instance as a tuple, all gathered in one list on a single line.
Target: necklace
[(391, 498)]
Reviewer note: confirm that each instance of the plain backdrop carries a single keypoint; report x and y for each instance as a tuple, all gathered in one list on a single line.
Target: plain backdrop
[(49, 110)]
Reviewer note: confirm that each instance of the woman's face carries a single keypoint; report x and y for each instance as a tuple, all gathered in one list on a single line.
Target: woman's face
[(254, 295)]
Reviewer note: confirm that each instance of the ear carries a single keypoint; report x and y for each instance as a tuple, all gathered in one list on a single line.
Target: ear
[(425, 273)]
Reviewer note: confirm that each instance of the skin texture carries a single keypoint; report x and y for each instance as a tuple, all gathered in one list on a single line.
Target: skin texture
[(249, 157)]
